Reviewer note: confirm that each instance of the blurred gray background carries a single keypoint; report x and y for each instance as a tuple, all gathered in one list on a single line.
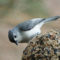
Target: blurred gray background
[(13, 12)]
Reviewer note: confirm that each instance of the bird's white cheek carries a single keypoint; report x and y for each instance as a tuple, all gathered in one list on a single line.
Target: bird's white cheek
[(19, 38)]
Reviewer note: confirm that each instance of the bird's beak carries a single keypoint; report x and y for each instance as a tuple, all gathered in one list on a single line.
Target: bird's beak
[(16, 42)]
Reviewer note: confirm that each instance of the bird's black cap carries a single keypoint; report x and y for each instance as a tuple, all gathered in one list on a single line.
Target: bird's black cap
[(10, 35), (11, 38)]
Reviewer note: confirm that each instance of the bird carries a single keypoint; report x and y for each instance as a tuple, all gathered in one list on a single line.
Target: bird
[(26, 30)]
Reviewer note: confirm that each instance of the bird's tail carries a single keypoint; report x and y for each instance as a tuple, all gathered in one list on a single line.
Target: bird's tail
[(51, 19)]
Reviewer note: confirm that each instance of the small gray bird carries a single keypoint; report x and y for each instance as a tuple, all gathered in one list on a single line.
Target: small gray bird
[(25, 31)]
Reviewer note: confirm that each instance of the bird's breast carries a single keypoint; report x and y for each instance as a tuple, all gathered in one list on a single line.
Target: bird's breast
[(32, 32)]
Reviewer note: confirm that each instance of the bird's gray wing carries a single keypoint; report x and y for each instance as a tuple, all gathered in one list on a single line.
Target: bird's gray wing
[(28, 25)]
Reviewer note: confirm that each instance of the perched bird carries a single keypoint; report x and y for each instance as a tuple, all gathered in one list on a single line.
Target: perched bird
[(25, 31)]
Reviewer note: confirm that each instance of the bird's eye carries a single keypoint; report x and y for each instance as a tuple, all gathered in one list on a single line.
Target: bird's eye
[(15, 36)]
